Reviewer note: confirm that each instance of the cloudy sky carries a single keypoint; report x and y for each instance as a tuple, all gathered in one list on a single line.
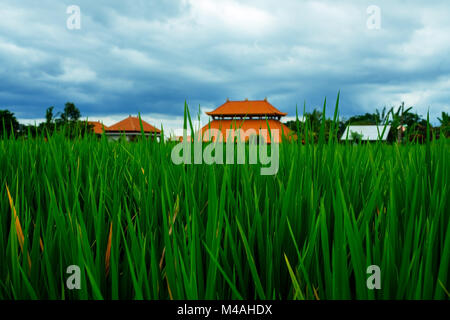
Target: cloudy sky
[(150, 56)]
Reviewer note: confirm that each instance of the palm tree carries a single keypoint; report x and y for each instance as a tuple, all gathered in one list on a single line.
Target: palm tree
[(445, 120), (445, 123), (314, 121), (398, 120)]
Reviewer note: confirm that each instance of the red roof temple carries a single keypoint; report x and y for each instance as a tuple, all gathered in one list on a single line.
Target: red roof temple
[(131, 128), (247, 115), (132, 124)]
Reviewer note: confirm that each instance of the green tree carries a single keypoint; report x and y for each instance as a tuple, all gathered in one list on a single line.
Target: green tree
[(365, 119), (444, 120), (49, 115), (356, 136), (314, 120), (413, 124), (8, 123), (71, 112)]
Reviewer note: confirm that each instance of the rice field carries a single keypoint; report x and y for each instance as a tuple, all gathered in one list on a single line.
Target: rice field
[(141, 227)]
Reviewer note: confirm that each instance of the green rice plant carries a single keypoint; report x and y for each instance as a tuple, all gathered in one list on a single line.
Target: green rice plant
[(140, 227)]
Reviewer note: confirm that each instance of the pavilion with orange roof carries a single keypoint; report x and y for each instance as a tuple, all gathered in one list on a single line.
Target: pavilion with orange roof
[(247, 115), (131, 129)]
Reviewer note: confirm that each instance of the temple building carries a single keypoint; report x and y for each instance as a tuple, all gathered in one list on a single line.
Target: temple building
[(250, 117), (131, 129)]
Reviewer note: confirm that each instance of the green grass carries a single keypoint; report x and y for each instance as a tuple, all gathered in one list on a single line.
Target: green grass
[(141, 227)]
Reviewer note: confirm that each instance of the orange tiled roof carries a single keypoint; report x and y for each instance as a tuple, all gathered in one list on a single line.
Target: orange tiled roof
[(223, 125), (132, 124), (249, 108), (97, 126)]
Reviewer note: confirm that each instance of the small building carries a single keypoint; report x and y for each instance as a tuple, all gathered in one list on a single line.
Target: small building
[(247, 115), (366, 133), (131, 129), (97, 127)]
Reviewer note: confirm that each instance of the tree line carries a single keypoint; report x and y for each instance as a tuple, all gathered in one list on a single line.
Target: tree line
[(68, 119), (405, 124), (412, 126)]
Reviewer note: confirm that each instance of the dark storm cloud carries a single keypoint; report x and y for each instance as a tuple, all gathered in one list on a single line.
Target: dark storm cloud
[(151, 56)]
